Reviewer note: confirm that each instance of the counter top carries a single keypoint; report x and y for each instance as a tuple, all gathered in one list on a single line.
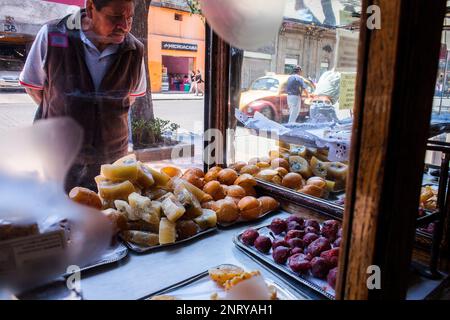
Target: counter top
[(138, 276)]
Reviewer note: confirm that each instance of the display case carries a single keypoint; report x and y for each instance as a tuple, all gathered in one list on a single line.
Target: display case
[(337, 190)]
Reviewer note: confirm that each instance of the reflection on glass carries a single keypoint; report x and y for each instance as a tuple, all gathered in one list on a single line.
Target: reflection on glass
[(300, 88)]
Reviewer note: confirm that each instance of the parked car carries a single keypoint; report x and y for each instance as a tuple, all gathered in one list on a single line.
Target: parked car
[(268, 96), (9, 73)]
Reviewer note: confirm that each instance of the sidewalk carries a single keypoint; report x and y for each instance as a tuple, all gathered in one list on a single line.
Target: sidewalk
[(175, 96)]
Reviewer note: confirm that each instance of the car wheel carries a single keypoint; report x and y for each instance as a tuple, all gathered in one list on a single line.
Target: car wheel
[(267, 112)]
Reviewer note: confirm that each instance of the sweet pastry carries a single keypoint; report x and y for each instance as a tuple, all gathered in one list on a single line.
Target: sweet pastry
[(250, 169), (194, 179), (208, 219), (312, 190), (282, 172), (279, 162), (300, 165), (186, 229), (267, 175), (238, 166), (227, 176), (109, 190), (212, 174), (293, 181), (263, 165), (215, 190), (142, 238), (317, 181), (337, 171), (236, 191), (227, 211), (245, 180), (250, 208), (268, 204), (195, 171), (86, 197), (319, 168), (235, 200)]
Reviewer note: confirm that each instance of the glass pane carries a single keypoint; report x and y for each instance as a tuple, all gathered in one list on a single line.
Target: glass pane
[(165, 123), (296, 100)]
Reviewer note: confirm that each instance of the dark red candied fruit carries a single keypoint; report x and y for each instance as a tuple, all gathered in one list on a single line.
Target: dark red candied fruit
[(278, 226), (330, 229), (331, 257), (296, 243), (296, 250), (318, 246), (294, 234), (331, 278), (281, 254), (263, 244), (249, 236), (297, 219), (280, 243), (298, 263), (310, 237), (319, 268), (312, 230), (312, 223), (337, 243), (294, 225)]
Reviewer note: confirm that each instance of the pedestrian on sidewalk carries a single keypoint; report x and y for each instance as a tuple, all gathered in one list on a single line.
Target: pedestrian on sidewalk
[(92, 74), (199, 81), (295, 86), (193, 82)]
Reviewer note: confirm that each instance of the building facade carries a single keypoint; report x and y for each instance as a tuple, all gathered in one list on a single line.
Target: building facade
[(311, 47), (176, 43)]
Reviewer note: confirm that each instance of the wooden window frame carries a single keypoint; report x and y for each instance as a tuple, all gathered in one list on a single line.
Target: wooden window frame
[(390, 132)]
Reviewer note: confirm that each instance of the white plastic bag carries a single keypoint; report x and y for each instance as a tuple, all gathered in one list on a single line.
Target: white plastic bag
[(245, 24), (329, 85), (33, 166)]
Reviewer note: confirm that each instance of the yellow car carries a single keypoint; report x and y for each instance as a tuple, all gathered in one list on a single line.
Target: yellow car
[(268, 96)]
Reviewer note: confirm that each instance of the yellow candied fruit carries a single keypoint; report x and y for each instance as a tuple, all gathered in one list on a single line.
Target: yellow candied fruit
[(224, 273), (242, 277)]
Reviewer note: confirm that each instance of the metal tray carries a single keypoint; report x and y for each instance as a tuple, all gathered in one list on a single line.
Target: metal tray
[(242, 221), (113, 254), (318, 285), (200, 287), (141, 249)]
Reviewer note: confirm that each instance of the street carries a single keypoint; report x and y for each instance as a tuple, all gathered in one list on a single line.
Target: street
[(17, 110)]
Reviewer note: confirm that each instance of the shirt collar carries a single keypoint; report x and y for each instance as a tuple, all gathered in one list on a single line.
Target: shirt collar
[(109, 50)]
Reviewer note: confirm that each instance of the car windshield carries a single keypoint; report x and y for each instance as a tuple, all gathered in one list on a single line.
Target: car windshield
[(268, 84), (11, 65)]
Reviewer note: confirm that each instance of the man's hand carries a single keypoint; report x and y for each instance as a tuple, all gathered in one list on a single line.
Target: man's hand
[(36, 95)]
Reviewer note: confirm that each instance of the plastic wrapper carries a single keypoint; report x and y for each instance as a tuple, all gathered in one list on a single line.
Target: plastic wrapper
[(42, 232), (245, 24)]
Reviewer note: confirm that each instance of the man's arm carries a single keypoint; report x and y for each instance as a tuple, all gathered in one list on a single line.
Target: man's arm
[(35, 94)]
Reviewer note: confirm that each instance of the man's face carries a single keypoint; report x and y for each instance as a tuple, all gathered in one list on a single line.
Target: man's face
[(113, 22)]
